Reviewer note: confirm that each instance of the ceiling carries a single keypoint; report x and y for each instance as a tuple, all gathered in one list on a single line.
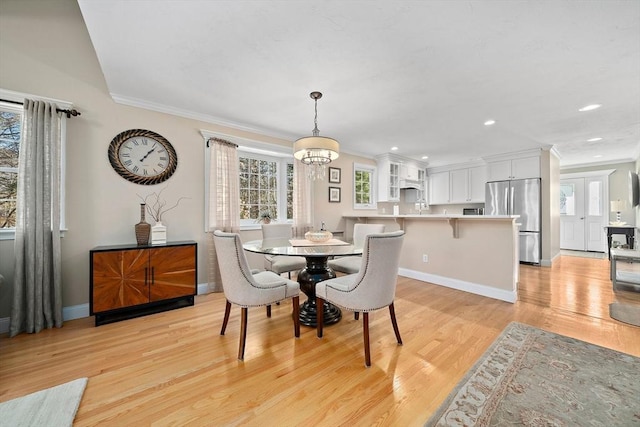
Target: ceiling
[(423, 76)]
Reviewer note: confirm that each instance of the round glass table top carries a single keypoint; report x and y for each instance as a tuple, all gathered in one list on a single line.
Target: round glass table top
[(300, 247)]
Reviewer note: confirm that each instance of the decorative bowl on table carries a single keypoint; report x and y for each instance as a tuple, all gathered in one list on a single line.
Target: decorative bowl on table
[(318, 236)]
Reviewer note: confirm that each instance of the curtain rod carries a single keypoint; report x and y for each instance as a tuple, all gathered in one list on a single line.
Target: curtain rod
[(69, 113)]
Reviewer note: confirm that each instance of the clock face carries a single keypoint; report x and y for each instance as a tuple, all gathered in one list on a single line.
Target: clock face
[(142, 156)]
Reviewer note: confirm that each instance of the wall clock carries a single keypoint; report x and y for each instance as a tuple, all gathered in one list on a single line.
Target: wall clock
[(142, 156)]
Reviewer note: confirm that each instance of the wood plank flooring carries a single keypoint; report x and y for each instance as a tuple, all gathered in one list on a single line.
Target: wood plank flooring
[(174, 368)]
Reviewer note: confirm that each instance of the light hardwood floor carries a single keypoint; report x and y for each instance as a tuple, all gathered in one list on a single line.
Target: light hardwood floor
[(174, 368)]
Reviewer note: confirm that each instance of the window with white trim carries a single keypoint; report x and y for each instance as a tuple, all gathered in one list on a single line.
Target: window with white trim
[(10, 130), (364, 187), (266, 185)]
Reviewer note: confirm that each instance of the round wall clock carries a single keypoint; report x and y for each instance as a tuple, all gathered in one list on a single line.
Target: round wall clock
[(142, 157)]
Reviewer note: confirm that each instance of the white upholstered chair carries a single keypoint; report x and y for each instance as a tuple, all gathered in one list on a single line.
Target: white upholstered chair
[(279, 263), (351, 264), (372, 288), (245, 289)]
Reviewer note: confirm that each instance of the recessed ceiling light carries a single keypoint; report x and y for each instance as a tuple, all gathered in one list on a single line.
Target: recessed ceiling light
[(594, 139), (394, 148), (597, 156), (425, 157), (490, 122), (590, 107)]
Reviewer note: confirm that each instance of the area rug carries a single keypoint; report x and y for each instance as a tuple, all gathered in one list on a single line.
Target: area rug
[(532, 377), (52, 407)]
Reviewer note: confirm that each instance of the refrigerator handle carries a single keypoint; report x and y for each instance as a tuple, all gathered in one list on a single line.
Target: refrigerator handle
[(511, 201), (506, 200)]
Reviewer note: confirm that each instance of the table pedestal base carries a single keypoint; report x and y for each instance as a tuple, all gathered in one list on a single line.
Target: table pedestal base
[(316, 271)]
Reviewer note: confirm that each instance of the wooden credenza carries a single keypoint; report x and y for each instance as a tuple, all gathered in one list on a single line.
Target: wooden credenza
[(129, 281)]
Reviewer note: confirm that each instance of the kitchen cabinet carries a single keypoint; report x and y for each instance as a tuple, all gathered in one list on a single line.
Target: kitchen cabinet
[(439, 188), (517, 168), (388, 181), (130, 281), (467, 185), (410, 172), (464, 185)]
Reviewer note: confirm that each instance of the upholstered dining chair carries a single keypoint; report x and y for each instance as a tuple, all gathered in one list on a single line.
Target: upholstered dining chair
[(245, 289), (372, 288), (280, 263), (351, 264)]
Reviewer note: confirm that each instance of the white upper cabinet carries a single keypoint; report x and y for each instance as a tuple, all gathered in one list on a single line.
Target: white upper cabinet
[(464, 185), (396, 172), (439, 188), (388, 180), (518, 168)]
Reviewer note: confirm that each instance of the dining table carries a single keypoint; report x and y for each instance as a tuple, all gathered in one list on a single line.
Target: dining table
[(316, 269)]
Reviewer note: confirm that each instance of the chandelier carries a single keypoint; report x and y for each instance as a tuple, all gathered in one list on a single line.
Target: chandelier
[(316, 151)]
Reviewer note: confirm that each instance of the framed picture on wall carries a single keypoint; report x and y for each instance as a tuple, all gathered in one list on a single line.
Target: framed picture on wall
[(334, 175), (334, 194)]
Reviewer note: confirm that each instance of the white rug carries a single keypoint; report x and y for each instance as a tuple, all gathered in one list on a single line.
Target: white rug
[(52, 407)]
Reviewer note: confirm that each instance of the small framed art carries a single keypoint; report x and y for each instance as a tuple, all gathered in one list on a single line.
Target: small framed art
[(334, 175), (334, 194)]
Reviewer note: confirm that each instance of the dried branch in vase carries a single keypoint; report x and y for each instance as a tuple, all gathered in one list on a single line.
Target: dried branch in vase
[(156, 206)]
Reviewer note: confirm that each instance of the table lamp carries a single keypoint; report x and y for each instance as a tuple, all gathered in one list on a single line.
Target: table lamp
[(617, 206)]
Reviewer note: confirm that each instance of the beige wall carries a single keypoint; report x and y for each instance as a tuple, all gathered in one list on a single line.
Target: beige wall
[(55, 59)]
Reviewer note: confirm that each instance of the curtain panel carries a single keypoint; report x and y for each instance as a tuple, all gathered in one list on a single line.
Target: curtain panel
[(302, 218), (224, 199), (37, 291)]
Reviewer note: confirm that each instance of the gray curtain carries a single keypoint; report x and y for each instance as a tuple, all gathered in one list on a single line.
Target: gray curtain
[(37, 290)]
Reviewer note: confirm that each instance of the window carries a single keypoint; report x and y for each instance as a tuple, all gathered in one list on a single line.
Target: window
[(10, 128), (266, 185), (364, 183), (10, 135)]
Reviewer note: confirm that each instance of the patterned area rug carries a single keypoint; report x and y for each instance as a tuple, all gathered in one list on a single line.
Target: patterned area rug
[(536, 378)]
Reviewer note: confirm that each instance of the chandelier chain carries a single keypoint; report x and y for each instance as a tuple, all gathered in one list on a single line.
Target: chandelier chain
[(316, 131)]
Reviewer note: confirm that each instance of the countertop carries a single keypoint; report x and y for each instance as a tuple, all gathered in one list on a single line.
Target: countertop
[(434, 216)]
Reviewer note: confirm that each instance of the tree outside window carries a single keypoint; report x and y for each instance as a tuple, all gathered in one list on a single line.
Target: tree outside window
[(10, 128)]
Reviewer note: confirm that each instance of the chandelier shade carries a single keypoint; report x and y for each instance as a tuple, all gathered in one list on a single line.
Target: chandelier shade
[(316, 151)]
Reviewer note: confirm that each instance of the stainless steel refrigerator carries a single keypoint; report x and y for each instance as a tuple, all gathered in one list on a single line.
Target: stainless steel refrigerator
[(519, 197)]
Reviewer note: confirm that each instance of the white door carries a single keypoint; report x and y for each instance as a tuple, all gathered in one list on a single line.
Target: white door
[(582, 214)]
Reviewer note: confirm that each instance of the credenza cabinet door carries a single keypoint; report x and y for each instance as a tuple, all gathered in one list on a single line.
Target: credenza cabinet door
[(173, 272), (120, 279)]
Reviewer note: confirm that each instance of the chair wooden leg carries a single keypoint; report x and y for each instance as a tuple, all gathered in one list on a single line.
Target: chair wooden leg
[(356, 315), (365, 332), (243, 332), (227, 310), (296, 316), (319, 315), (392, 313), (268, 311)]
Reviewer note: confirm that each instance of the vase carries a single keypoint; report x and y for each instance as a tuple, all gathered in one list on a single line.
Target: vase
[(158, 234), (143, 228)]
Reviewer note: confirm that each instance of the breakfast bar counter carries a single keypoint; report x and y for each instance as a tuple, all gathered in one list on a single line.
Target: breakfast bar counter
[(473, 253)]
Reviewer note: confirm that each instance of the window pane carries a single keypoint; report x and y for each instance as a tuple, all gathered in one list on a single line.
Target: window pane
[(567, 199), (10, 125), (8, 194), (595, 198), (261, 187)]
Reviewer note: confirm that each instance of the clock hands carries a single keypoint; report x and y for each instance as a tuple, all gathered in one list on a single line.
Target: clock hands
[(146, 155)]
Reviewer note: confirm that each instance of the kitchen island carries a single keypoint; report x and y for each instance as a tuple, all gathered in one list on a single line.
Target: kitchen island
[(472, 253)]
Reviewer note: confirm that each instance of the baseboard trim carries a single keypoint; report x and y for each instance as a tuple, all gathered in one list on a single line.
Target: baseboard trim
[(461, 285), (82, 310)]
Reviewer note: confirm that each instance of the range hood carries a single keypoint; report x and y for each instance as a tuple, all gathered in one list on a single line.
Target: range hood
[(408, 183)]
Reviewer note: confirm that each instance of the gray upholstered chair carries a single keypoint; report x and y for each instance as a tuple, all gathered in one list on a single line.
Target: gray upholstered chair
[(245, 289), (279, 263), (372, 288), (351, 264)]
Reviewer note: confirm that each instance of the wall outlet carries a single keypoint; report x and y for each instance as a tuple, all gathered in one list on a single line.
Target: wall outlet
[(425, 258)]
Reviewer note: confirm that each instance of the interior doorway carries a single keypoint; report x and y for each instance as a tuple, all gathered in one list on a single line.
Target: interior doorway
[(583, 212)]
